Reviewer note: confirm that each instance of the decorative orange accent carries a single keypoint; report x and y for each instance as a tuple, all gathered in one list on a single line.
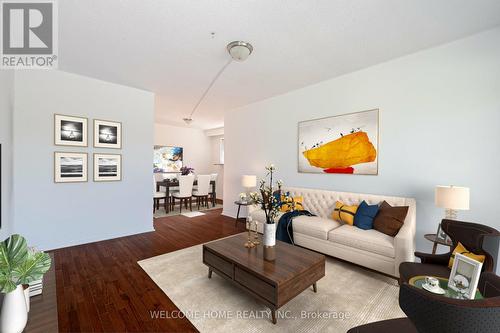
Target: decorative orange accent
[(339, 170), (348, 150)]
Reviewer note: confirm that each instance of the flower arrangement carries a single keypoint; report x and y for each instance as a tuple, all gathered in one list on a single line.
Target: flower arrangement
[(186, 170), (269, 196)]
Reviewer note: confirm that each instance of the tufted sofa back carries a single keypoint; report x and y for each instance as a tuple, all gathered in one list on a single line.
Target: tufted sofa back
[(322, 202)]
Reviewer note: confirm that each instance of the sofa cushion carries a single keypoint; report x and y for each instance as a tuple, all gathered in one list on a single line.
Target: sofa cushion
[(390, 219), (368, 240), (260, 216), (344, 213), (365, 215), (314, 226)]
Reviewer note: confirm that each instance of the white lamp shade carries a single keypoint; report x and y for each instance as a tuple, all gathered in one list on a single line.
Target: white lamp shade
[(249, 181), (452, 197)]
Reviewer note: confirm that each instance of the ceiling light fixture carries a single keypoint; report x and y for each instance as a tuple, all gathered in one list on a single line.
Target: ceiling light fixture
[(239, 51)]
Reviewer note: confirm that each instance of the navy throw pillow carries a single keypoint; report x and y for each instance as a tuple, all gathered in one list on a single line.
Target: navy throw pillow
[(365, 215)]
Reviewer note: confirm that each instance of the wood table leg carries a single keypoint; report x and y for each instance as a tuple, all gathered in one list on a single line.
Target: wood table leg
[(273, 316), (168, 195), (315, 287), (209, 273), (214, 196), (237, 216), (434, 248)]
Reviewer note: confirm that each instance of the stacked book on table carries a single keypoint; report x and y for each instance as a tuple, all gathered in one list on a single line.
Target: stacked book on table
[(36, 287)]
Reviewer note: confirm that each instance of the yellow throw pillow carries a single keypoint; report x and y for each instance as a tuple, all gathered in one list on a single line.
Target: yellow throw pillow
[(462, 250), (344, 213), (287, 207)]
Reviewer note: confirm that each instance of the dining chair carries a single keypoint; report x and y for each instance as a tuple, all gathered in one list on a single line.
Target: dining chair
[(213, 195), (201, 193), (159, 177), (157, 196), (185, 193)]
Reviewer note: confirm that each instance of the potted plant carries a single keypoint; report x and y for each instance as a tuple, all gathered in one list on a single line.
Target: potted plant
[(269, 198), (19, 265), (186, 171)]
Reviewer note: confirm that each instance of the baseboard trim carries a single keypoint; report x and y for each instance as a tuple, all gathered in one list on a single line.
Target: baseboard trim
[(228, 214), (219, 201)]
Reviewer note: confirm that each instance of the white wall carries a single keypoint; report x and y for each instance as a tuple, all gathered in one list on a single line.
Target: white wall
[(54, 215), (216, 166), (6, 108), (439, 124)]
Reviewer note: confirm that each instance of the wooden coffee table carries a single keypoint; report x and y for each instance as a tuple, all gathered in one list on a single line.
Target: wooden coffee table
[(274, 283)]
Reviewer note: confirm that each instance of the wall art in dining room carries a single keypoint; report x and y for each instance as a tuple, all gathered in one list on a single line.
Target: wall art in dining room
[(70, 131), (70, 167), (167, 159), (107, 167), (346, 144), (107, 134)]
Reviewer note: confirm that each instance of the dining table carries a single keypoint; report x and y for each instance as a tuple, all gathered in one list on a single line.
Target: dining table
[(169, 183)]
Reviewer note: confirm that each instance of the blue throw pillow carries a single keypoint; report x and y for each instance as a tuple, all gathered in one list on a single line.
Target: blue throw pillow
[(365, 215)]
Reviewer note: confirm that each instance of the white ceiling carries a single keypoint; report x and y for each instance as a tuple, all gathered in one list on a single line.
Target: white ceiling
[(166, 46)]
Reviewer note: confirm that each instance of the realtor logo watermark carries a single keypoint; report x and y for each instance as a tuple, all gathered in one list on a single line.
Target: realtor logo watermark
[(29, 34)]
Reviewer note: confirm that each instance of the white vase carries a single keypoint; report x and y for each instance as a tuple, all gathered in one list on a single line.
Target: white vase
[(269, 234), (26, 288), (14, 314)]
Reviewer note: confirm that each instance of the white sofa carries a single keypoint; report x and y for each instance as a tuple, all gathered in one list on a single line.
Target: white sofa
[(368, 248)]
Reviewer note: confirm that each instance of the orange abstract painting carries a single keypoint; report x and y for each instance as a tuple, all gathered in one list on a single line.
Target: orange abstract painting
[(341, 144)]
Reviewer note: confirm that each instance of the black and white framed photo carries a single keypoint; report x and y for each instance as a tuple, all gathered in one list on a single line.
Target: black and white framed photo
[(107, 134), (70, 167), (107, 167), (70, 131), (464, 276)]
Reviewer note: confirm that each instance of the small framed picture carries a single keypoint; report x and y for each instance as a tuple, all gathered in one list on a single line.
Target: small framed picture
[(107, 134), (70, 131), (107, 167), (70, 167), (465, 276)]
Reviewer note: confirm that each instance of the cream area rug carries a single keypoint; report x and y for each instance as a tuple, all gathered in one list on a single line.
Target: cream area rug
[(347, 296)]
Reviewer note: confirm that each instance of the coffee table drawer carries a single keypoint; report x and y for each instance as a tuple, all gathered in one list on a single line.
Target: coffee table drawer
[(254, 284), (218, 263)]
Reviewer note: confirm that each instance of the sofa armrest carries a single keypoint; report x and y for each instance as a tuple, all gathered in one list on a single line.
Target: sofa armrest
[(436, 259), (404, 241)]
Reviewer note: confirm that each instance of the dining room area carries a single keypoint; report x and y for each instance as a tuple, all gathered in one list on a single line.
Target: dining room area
[(188, 166)]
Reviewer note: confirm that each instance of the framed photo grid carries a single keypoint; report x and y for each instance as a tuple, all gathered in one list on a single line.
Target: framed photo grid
[(72, 167)]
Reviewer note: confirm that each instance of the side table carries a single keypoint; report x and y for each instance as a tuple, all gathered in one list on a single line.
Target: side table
[(436, 240), (241, 203)]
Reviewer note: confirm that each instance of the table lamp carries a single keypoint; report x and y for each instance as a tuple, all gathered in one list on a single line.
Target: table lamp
[(248, 182), (451, 198)]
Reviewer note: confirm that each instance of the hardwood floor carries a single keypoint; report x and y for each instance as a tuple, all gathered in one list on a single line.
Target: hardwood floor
[(101, 288)]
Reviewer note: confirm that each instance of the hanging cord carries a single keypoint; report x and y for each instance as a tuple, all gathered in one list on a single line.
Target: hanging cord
[(210, 86)]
